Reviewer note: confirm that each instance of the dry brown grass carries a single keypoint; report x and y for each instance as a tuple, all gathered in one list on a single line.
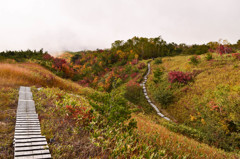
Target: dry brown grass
[(30, 74)]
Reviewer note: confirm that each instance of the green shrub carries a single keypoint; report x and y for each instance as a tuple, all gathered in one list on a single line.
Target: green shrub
[(219, 109), (185, 130), (157, 75), (158, 61), (209, 57), (194, 60), (133, 92), (112, 107), (164, 96)]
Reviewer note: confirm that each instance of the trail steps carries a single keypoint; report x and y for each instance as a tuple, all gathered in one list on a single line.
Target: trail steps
[(146, 95), (28, 141)]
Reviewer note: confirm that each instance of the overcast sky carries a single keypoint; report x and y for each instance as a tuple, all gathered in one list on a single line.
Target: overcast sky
[(58, 25)]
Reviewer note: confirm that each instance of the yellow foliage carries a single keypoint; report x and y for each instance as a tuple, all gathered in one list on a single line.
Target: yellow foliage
[(187, 67), (136, 56), (203, 121), (192, 118)]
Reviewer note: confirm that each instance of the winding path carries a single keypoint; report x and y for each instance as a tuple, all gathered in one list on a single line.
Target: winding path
[(28, 141), (146, 96)]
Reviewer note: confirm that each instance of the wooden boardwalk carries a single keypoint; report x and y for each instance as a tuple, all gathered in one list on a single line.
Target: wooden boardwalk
[(146, 95), (28, 141)]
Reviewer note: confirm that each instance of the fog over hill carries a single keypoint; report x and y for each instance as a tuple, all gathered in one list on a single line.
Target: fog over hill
[(58, 25)]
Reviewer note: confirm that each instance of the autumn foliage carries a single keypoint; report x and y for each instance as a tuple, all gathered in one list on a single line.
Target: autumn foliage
[(82, 115), (180, 77), (60, 66)]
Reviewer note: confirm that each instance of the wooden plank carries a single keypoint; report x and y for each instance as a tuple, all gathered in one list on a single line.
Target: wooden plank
[(25, 122), (30, 140), (30, 148), (31, 153), (27, 133), (28, 120), (45, 156), (33, 128), (30, 114), (26, 137), (28, 128), (27, 125), (31, 144), (160, 114), (27, 89), (22, 89)]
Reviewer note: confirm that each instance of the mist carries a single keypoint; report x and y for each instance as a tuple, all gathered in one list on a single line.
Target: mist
[(73, 25)]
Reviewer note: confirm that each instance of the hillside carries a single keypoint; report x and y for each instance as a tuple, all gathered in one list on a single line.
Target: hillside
[(77, 124), (201, 92)]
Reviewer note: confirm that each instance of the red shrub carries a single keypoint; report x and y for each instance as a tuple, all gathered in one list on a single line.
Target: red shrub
[(211, 50), (134, 74), (84, 82), (79, 114), (223, 49), (178, 76), (236, 55), (69, 72), (134, 61), (47, 57), (141, 65), (213, 106), (58, 63)]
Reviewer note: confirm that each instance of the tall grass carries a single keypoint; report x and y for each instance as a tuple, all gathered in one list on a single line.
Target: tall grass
[(30, 74)]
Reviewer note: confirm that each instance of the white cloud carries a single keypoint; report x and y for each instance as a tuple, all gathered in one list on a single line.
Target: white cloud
[(58, 25)]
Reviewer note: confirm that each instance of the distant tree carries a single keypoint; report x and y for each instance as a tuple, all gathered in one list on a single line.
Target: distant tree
[(238, 44)]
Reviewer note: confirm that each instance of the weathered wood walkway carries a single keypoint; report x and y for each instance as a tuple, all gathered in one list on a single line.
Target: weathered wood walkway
[(28, 141), (146, 95)]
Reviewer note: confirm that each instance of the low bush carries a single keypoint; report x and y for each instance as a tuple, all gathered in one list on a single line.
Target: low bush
[(236, 55), (209, 57), (133, 92), (141, 66), (180, 77), (195, 60), (157, 75), (158, 61), (163, 96)]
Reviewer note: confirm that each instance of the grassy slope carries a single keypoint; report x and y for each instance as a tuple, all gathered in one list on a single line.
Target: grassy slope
[(29, 74), (212, 73), (218, 81), (66, 136)]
